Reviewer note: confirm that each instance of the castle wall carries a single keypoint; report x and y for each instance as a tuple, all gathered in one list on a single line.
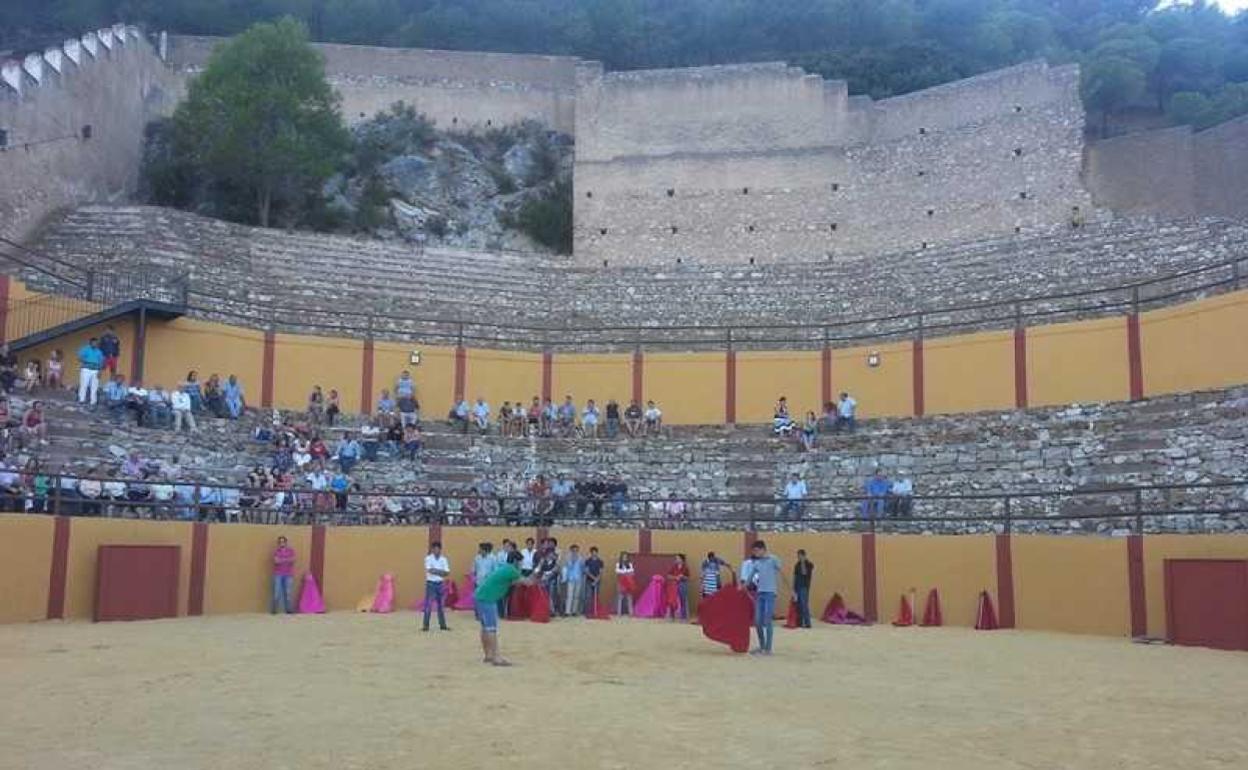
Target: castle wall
[(1148, 172), (766, 163), (111, 81), (1221, 169), (454, 88)]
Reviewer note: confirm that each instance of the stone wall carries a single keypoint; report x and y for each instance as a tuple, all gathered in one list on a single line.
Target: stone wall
[(765, 163), (457, 89), (1173, 171), (73, 118)]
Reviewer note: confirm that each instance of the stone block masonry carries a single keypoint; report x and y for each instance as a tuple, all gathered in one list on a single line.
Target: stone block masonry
[(765, 163), (72, 120)]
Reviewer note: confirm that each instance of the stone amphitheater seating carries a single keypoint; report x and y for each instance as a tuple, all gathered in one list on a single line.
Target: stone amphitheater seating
[(252, 266), (1193, 438)]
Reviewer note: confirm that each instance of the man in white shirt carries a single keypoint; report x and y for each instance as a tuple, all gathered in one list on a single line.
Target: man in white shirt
[(527, 555), (845, 410), (900, 497), (794, 495), (437, 569), (654, 419), (181, 401), (481, 414)]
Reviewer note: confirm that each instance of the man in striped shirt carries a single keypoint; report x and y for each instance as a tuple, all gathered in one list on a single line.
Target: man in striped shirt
[(710, 573)]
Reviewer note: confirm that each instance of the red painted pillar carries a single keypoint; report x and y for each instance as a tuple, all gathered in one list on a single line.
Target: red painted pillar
[(548, 375), (748, 545), (316, 559), (639, 363), (1020, 367), (199, 569), (4, 307), (730, 388), (266, 371), (1135, 585), (366, 378), (1135, 361), (1005, 581), (461, 371), (919, 405), (825, 371), (870, 606), (645, 544), (59, 571)]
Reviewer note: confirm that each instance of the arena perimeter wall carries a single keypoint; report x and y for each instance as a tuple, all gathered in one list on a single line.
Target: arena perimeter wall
[(1089, 585), (1192, 346)]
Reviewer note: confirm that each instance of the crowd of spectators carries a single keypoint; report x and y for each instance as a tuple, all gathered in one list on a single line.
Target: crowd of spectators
[(543, 418)]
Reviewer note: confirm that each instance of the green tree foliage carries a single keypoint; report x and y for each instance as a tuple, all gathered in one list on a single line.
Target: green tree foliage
[(262, 122), (882, 47), (547, 219), (1111, 83)]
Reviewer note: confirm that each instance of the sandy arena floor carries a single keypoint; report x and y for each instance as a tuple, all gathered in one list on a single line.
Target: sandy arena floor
[(361, 691)]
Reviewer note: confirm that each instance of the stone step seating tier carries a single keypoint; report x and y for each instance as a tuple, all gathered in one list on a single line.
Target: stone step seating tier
[(1189, 439), (387, 278)]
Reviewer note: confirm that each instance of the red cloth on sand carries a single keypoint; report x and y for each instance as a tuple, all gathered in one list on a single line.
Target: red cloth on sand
[(539, 605), (791, 619), (727, 616)]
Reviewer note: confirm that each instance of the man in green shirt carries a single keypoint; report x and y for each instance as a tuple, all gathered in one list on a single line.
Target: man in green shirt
[(489, 592)]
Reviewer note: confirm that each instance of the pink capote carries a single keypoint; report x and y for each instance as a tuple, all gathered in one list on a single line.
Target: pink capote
[(310, 601), (383, 600), (465, 601), (650, 603)]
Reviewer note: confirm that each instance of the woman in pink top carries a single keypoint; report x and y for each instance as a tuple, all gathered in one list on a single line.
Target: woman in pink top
[(283, 577)]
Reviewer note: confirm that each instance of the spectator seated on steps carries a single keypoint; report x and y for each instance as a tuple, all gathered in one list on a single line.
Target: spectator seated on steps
[(411, 442), (115, 398), (481, 416), (183, 411), (387, 409), (137, 402), (567, 417), (160, 412), (900, 499), (348, 452), (877, 489), (370, 439), (11, 496), (519, 420), (632, 419), (846, 414), (781, 420), (194, 390), (235, 400), (31, 376), (214, 397), (459, 415), (589, 419), (654, 419), (549, 419), (34, 426)]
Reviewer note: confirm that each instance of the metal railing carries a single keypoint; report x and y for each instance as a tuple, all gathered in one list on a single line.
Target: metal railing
[(1117, 509), (166, 285)]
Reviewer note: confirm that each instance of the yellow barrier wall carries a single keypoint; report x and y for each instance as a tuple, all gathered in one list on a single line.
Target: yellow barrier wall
[(299, 362), (502, 375), (600, 377), (610, 542), (728, 546), (762, 377), (26, 555), (355, 557), (1077, 362), (86, 535), (70, 343), (969, 373), (1158, 548), (238, 576), (958, 567), (434, 375), (1195, 346), (175, 347), (460, 545), (688, 387), (1075, 584), (886, 390), (838, 566)]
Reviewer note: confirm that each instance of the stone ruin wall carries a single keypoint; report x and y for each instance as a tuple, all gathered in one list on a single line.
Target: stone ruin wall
[(768, 163), (456, 89), (73, 116)]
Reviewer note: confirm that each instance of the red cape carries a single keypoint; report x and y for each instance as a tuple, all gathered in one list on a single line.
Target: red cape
[(727, 616)]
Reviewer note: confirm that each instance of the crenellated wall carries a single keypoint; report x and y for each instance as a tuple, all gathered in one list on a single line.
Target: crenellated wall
[(767, 163), (73, 118), (457, 89)]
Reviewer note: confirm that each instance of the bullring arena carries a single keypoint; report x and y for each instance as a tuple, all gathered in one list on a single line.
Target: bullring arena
[(1031, 518)]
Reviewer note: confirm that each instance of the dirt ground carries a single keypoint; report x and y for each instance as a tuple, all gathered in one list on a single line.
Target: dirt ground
[(365, 691)]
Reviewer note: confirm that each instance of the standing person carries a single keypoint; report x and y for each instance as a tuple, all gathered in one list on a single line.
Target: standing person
[(487, 596), (593, 581), (283, 577), (110, 346), (710, 574), (437, 568), (763, 571), (573, 581), (90, 361), (528, 558), (803, 573), (846, 409), (548, 572), (679, 572), (625, 584), (482, 565)]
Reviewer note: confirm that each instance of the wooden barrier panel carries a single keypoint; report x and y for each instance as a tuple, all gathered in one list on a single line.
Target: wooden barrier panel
[(25, 565)]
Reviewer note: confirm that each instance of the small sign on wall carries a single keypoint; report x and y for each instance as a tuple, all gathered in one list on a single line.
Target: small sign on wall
[(414, 358)]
